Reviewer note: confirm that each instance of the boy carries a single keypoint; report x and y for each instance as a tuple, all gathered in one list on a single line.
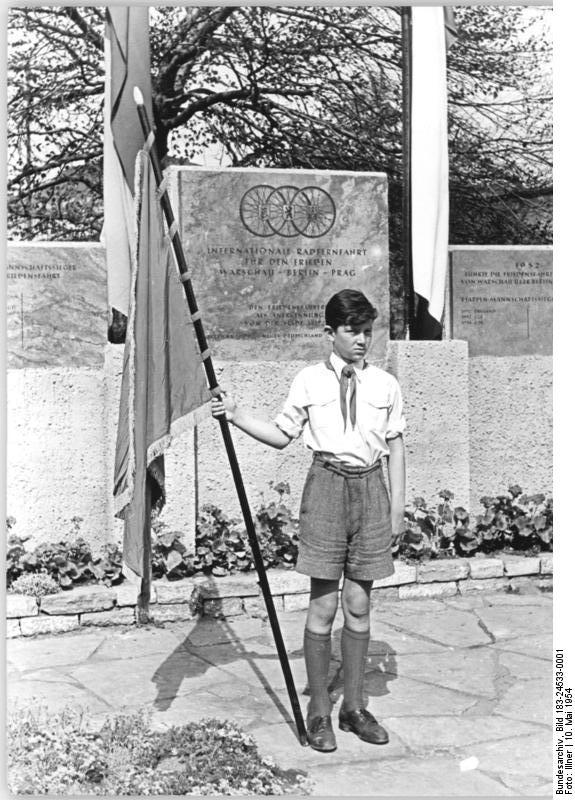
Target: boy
[(351, 417)]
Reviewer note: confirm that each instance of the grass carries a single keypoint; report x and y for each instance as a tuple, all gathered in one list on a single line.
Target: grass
[(69, 753)]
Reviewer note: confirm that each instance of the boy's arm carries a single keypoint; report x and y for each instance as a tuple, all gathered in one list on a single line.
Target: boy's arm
[(260, 429), (396, 470)]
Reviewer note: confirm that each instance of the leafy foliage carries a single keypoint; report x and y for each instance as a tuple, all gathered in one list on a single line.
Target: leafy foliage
[(511, 522), (64, 753), (35, 584)]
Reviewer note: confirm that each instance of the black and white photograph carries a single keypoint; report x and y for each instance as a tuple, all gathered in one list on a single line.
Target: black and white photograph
[(280, 401)]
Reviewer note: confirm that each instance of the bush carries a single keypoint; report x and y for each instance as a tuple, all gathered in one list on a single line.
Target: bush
[(35, 585), (512, 522), (60, 753)]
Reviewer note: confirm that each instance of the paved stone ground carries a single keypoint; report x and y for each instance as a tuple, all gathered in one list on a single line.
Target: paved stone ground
[(463, 684)]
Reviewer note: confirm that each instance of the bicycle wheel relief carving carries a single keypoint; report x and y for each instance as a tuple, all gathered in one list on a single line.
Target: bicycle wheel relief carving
[(287, 211)]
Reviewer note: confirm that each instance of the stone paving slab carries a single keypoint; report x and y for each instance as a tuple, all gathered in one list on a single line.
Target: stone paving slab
[(538, 645), (530, 701), (441, 732), (504, 623), (450, 627), (55, 691), (526, 668), (430, 777), (522, 763), (474, 690), (470, 671), (74, 648)]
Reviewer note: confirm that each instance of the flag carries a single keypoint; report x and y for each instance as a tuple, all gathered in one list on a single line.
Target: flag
[(127, 59), (164, 389), (432, 32)]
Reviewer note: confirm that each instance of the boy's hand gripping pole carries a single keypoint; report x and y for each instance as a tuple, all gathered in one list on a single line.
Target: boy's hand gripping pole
[(216, 392)]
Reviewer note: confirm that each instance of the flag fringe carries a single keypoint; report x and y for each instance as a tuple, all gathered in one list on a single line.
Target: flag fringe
[(177, 427)]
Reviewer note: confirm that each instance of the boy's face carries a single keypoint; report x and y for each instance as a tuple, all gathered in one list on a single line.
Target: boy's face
[(351, 342)]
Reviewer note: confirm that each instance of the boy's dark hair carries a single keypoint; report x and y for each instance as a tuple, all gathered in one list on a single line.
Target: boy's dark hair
[(348, 307)]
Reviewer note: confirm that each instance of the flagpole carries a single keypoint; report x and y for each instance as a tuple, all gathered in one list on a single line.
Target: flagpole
[(224, 426), (409, 299)]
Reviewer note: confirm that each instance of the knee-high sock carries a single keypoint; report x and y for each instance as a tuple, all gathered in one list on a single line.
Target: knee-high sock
[(354, 646), (317, 654)]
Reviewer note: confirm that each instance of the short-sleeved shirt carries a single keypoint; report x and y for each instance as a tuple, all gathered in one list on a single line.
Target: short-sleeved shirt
[(313, 408)]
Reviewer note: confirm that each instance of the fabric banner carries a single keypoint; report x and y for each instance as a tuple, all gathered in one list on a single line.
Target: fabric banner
[(164, 389), (127, 60), (429, 156)]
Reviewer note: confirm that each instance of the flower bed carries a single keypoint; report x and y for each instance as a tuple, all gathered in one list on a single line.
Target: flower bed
[(62, 753), (510, 523)]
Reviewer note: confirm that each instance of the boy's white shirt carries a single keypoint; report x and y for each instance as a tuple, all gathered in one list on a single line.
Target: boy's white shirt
[(312, 407)]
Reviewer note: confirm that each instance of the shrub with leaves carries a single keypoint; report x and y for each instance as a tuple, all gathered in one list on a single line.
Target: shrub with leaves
[(35, 584), (516, 521), (63, 753)]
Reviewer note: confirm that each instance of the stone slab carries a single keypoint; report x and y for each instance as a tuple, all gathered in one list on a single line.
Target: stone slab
[(404, 573), (223, 607), (171, 612), (502, 625), (269, 247), (502, 299), (435, 776), (525, 668), (485, 568), (256, 607), (471, 672), (546, 563), (529, 701), (501, 758), (174, 591), (30, 654), (55, 691), (521, 565), (45, 623), (389, 642), (525, 584), (117, 616), (443, 570), (538, 645), (428, 733), (483, 585), (21, 605), (13, 628), (381, 598), (56, 304), (421, 590), (80, 600), (296, 602)]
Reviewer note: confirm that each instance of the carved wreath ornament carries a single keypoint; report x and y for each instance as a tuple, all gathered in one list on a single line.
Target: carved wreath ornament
[(287, 211)]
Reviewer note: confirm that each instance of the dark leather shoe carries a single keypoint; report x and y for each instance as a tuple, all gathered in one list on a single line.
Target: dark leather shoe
[(364, 725), (320, 734)]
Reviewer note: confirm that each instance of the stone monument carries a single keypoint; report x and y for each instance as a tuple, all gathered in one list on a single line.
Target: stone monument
[(502, 299), (267, 248), (56, 304)]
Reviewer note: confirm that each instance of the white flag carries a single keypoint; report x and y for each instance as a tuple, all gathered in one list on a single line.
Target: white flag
[(429, 157)]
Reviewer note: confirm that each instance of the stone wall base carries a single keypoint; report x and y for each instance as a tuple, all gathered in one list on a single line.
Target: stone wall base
[(239, 595)]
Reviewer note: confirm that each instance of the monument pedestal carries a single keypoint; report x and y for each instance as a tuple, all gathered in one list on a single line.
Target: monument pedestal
[(434, 381)]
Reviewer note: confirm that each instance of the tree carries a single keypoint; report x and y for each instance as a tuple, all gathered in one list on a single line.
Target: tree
[(294, 87)]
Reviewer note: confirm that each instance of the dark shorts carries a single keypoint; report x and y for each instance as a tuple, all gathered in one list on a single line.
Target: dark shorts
[(344, 523)]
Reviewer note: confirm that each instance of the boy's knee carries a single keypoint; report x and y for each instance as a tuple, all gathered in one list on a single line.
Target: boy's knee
[(355, 602)]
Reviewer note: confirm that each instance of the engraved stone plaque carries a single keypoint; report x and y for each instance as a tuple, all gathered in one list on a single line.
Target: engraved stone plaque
[(502, 299), (57, 304), (268, 248)]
